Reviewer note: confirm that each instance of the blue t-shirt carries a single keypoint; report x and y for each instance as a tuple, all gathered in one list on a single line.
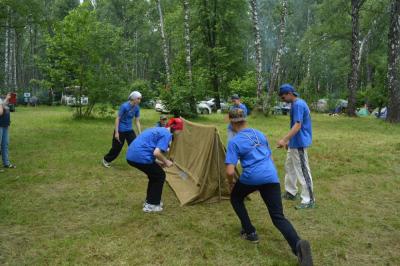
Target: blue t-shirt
[(252, 149), (301, 113), (126, 113), (240, 106), (142, 148)]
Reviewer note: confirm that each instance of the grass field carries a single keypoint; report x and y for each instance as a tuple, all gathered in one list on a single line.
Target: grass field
[(61, 207)]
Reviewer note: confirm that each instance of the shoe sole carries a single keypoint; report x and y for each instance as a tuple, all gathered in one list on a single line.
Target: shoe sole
[(306, 208), (105, 165), (305, 258), (149, 211), (251, 241)]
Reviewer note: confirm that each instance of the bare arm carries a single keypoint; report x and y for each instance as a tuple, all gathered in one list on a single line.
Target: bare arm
[(293, 131), (116, 133), (230, 175), (159, 156), (137, 122)]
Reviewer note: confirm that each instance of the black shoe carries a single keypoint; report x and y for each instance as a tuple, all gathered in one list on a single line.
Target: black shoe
[(304, 253), (288, 196), (10, 166), (252, 237)]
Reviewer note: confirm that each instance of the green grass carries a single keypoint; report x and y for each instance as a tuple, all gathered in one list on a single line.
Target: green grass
[(60, 206)]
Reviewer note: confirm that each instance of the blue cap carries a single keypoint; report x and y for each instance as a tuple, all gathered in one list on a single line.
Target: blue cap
[(287, 88), (235, 97)]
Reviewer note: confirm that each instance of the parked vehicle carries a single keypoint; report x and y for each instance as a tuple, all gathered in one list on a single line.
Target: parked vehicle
[(201, 107), (282, 108), (160, 107), (70, 100), (211, 103)]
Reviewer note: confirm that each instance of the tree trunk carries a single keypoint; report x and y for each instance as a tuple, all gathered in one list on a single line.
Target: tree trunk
[(164, 43), (393, 114), (210, 27), (188, 51), (354, 57), (7, 54), (257, 44), (277, 63), (13, 64), (309, 45)]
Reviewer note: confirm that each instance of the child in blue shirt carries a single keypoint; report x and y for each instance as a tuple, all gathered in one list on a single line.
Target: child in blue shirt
[(259, 174), (123, 127), (145, 154), (297, 141)]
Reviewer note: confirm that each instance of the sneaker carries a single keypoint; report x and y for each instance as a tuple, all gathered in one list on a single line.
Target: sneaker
[(106, 164), (10, 166), (161, 203), (288, 196), (152, 208), (252, 237), (304, 253), (310, 205)]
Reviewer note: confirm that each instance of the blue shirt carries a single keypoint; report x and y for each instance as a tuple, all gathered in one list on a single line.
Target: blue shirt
[(240, 106), (252, 149), (126, 113), (301, 113), (142, 148)]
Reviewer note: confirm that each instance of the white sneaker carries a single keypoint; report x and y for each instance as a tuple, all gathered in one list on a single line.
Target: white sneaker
[(161, 203), (106, 164), (152, 208)]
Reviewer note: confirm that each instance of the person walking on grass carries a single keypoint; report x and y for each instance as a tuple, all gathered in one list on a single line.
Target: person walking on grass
[(4, 125), (123, 127), (145, 154), (251, 147), (297, 141)]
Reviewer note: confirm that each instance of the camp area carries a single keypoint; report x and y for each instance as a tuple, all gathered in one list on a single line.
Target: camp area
[(59, 206), (208, 132)]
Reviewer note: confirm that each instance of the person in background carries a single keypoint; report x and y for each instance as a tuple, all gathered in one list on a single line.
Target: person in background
[(146, 154), (123, 127), (236, 105), (297, 141), (259, 173), (162, 122), (4, 125)]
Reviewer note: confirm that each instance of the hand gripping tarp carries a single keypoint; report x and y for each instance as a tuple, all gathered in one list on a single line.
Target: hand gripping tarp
[(198, 174)]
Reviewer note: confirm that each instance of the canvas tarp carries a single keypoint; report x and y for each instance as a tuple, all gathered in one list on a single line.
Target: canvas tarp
[(198, 174)]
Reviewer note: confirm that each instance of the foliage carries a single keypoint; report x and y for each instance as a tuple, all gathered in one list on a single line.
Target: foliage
[(85, 52), (374, 97), (316, 52), (244, 87)]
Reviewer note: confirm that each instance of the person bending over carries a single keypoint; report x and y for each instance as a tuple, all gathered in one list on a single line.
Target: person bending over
[(145, 154)]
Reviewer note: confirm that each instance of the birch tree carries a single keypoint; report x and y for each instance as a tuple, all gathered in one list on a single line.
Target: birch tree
[(354, 56), (257, 44), (279, 52), (186, 9), (164, 43), (393, 74)]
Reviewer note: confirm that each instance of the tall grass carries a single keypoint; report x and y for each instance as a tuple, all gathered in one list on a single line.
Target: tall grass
[(60, 206)]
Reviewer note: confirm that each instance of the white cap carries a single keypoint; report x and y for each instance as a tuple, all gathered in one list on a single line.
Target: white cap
[(134, 95)]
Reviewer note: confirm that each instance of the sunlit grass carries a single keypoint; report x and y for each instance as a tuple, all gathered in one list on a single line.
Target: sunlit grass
[(60, 206)]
